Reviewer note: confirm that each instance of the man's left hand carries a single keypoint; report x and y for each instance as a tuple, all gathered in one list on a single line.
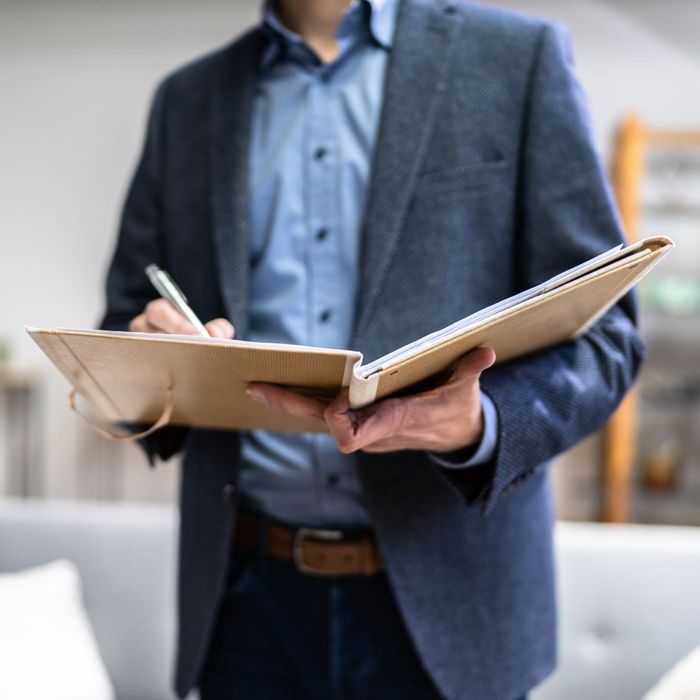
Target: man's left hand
[(443, 419)]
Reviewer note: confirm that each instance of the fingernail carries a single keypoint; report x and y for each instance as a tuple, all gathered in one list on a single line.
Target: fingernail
[(257, 396)]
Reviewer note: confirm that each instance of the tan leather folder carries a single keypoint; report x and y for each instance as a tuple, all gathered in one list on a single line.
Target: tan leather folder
[(191, 380)]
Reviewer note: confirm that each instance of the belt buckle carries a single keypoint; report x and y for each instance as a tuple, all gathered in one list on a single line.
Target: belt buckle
[(304, 533)]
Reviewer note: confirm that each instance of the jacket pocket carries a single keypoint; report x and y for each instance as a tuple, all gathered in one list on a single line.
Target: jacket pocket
[(463, 177)]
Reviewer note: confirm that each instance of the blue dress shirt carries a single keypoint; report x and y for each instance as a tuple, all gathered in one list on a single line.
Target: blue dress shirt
[(313, 135)]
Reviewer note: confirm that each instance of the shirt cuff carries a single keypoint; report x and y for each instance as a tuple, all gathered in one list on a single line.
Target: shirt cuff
[(484, 451)]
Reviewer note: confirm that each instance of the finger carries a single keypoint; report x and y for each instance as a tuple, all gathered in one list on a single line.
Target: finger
[(220, 328), (281, 399), (471, 365), (468, 369), (138, 324), (342, 421), (354, 430), (386, 446), (162, 315), (338, 409)]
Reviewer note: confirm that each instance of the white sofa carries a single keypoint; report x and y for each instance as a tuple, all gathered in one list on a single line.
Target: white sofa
[(126, 556), (629, 595), (629, 608)]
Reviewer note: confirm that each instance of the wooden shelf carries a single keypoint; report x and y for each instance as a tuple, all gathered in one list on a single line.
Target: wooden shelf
[(633, 143)]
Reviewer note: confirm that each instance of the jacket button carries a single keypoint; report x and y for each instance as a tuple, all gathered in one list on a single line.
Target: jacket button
[(229, 492)]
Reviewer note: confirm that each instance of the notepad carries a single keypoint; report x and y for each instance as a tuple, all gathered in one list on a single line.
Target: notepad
[(130, 376)]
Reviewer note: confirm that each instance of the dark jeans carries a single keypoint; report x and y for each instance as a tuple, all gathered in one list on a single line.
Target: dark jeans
[(282, 635)]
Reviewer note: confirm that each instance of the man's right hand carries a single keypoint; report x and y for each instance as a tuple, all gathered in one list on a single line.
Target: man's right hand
[(160, 316)]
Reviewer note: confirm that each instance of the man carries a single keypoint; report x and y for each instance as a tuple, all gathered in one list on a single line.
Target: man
[(358, 175)]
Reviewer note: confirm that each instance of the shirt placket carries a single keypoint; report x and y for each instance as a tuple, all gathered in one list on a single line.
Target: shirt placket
[(325, 288), (322, 223)]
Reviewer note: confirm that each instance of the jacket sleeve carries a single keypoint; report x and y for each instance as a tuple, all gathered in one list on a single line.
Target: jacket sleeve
[(550, 400), (140, 242)]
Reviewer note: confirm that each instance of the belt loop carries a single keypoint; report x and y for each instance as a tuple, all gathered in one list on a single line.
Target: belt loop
[(263, 546)]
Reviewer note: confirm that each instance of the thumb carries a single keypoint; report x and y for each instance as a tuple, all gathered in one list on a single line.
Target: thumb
[(471, 365)]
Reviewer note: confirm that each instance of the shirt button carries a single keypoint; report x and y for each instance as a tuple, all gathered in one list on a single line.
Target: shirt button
[(228, 492), (324, 316), (320, 153), (333, 479), (321, 234)]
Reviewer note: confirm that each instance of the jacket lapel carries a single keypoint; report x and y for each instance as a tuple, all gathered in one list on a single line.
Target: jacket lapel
[(230, 121), (414, 82)]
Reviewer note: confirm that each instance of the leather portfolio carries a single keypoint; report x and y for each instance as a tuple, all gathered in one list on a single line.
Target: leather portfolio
[(197, 381)]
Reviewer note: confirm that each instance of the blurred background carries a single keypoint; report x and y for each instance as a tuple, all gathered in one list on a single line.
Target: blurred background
[(76, 77)]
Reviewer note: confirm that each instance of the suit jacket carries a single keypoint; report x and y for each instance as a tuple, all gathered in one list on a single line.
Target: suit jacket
[(485, 181)]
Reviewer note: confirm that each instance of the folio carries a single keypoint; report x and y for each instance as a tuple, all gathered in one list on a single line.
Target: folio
[(197, 381)]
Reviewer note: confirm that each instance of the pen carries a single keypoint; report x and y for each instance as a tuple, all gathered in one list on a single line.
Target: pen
[(166, 287)]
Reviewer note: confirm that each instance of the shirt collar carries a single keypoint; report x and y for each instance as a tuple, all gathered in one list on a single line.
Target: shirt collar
[(382, 21), (377, 16)]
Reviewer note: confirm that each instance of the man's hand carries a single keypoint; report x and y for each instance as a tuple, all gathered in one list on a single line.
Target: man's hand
[(443, 419), (160, 316)]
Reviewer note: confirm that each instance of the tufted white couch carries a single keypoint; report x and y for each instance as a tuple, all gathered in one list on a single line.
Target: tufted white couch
[(629, 608), (629, 595)]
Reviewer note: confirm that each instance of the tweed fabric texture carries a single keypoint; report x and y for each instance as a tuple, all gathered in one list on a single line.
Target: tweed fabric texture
[(485, 182)]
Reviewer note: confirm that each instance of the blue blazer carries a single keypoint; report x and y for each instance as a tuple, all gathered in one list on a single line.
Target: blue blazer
[(485, 181)]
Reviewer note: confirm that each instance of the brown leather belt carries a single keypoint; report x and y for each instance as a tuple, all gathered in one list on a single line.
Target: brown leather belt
[(314, 551)]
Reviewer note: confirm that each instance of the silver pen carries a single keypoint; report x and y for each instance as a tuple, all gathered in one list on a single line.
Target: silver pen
[(166, 287)]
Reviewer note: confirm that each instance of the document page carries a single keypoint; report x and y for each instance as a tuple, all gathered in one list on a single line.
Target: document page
[(440, 336)]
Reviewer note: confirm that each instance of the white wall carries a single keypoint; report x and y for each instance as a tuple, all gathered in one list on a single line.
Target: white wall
[(75, 80), (631, 55)]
